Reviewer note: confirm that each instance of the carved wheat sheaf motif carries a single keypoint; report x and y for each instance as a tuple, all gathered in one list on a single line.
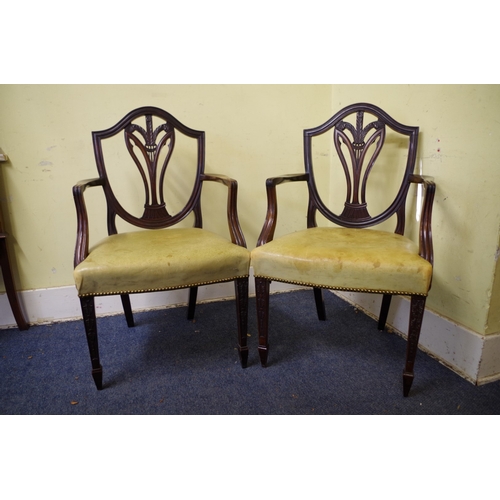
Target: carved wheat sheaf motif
[(360, 161), (150, 143)]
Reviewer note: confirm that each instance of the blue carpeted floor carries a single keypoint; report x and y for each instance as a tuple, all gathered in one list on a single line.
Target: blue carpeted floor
[(169, 365)]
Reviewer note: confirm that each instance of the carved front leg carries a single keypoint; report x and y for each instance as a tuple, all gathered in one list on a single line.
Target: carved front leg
[(417, 309), (89, 319)]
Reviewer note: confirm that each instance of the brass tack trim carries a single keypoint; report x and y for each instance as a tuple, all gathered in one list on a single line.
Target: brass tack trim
[(341, 288), (164, 289)]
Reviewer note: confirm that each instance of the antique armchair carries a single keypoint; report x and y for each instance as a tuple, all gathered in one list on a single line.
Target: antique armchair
[(350, 254), (151, 254)]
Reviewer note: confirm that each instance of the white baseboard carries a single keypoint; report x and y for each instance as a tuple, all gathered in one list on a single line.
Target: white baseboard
[(473, 356), (51, 305)]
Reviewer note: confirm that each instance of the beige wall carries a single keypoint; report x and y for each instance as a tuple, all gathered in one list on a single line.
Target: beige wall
[(253, 132)]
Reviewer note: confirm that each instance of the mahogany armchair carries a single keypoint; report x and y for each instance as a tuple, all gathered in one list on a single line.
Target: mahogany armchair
[(156, 254), (350, 254)]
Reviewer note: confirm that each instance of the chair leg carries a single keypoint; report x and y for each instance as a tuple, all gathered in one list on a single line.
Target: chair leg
[(384, 311), (193, 294), (127, 309), (9, 286), (417, 309), (241, 293), (89, 320), (320, 304), (262, 286)]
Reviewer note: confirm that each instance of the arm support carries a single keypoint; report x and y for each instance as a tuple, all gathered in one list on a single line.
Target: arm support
[(269, 227), (235, 231), (425, 234), (82, 233)]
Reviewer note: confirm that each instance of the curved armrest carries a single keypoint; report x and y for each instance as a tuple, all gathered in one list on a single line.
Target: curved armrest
[(269, 227), (235, 231), (425, 234), (82, 232)]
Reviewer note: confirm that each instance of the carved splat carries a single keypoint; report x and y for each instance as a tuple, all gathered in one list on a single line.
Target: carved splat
[(150, 144), (150, 135), (361, 158)]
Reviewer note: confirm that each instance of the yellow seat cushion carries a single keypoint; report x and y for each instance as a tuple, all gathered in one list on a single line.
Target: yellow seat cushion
[(345, 259), (164, 259)]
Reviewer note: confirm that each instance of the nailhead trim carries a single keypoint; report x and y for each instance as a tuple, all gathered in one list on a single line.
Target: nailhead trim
[(161, 289), (342, 288)]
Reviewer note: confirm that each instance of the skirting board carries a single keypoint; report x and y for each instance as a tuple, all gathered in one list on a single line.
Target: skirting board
[(473, 356), (50, 305)]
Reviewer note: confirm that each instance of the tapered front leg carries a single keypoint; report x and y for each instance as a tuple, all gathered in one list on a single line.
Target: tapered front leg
[(417, 309), (241, 292), (90, 322), (262, 286)]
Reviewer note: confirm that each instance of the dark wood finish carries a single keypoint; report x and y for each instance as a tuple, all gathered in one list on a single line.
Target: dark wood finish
[(90, 323), (320, 304), (363, 144), (241, 294), (8, 279), (262, 287), (384, 310), (9, 284), (193, 294), (417, 309), (127, 309), (145, 140)]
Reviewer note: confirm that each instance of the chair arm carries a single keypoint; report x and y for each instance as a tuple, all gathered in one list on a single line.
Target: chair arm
[(269, 227), (82, 232), (425, 233), (235, 231)]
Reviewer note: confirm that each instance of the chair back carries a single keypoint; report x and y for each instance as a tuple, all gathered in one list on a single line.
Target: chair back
[(369, 147), (150, 135)]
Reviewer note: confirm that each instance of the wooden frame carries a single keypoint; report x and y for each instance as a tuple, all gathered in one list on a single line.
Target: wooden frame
[(357, 165), (149, 141)]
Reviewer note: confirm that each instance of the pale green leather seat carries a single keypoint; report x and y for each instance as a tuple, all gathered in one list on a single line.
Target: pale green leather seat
[(158, 255), (166, 259), (352, 254), (358, 260)]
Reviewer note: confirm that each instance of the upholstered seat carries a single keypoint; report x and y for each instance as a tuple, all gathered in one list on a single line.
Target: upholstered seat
[(353, 254), (362, 260), (166, 259), (156, 253)]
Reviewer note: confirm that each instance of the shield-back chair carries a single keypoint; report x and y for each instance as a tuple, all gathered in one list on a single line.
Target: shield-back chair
[(348, 253), (155, 252)]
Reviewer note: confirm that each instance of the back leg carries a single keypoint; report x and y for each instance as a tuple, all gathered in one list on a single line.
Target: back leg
[(193, 294), (262, 286), (320, 304), (241, 289), (384, 311), (127, 309)]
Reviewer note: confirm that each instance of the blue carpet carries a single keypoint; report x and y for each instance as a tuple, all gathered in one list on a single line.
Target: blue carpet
[(169, 365)]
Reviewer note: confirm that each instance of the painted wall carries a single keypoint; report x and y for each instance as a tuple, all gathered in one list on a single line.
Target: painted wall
[(254, 131)]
